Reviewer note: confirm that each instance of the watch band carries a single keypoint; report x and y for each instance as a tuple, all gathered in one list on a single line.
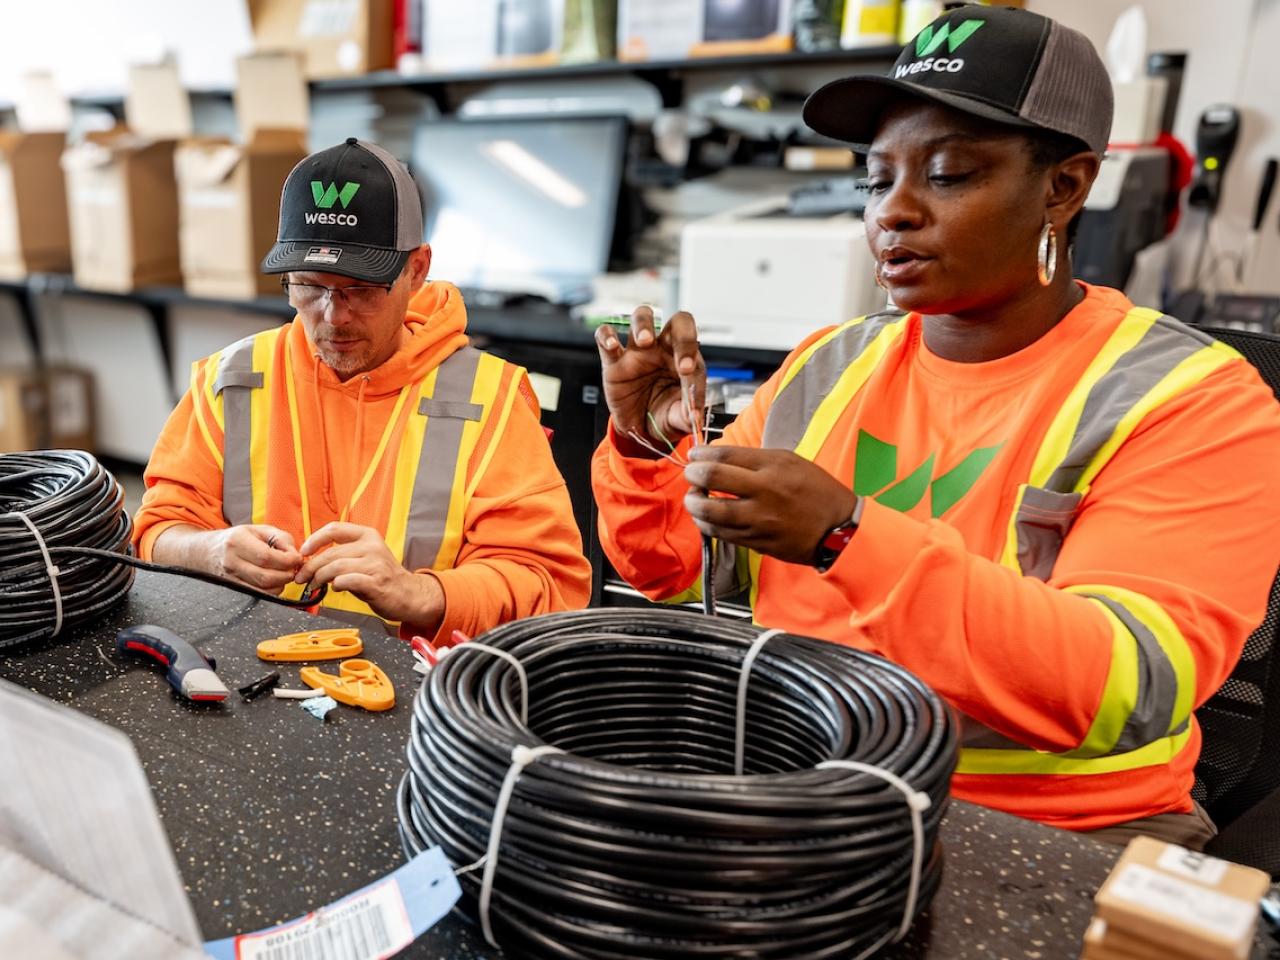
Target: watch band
[(836, 539)]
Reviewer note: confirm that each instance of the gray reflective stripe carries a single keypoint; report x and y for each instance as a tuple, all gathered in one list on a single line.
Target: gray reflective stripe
[(236, 378), (433, 484), (1152, 713), (730, 567), (431, 407), (1041, 524), (798, 401), (978, 736), (1165, 345)]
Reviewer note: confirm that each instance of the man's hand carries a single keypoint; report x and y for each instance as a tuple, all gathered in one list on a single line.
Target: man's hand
[(771, 501), (255, 554), (356, 559), (652, 375)]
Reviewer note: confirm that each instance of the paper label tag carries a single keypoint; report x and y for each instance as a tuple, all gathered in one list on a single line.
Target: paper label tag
[(376, 921), (328, 18), (1197, 866), (1188, 903)]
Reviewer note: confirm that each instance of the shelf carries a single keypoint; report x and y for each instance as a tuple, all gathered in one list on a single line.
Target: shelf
[(385, 79), (390, 78)]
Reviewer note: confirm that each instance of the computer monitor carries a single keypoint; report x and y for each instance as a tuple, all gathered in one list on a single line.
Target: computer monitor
[(520, 205)]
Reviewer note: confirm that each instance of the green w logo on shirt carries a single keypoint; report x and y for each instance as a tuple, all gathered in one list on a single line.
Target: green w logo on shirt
[(875, 475)]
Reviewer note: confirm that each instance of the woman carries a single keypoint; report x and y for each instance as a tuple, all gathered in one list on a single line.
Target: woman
[(1040, 499)]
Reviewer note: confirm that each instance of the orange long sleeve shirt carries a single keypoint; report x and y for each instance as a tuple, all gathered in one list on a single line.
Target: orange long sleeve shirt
[(939, 448), (521, 552)]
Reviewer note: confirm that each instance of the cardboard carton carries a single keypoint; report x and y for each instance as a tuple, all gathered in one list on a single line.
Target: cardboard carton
[(337, 38), (745, 27), (493, 34), (229, 193), (122, 196), (1180, 901), (49, 408), (659, 29), (34, 236)]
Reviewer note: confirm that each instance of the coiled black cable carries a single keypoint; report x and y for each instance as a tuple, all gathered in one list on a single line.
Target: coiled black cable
[(78, 507), (639, 841)]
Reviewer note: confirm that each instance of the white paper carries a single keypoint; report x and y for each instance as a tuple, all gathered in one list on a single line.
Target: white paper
[(1127, 46), (75, 803), (1197, 866), (1228, 918)]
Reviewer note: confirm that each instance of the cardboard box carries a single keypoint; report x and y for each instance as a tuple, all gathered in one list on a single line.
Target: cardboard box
[(337, 38), (34, 235), (46, 409), (229, 193), (1178, 900), (122, 195), (738, 27), (493, 33), (659, 29)]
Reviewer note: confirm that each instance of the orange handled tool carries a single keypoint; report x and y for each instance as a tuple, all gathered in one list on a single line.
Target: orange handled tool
[(313, 645), (359, 683)]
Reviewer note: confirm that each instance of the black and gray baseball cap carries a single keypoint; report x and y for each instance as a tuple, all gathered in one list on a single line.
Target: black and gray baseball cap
[(352, 210), (1001, 63)]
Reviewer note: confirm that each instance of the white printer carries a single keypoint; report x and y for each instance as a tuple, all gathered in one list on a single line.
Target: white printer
[(758, 276)]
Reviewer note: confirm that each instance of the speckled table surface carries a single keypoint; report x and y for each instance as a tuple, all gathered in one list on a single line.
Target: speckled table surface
[(272, 813)]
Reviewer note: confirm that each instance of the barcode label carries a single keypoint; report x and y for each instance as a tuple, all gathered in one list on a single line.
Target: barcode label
[(367, 926)]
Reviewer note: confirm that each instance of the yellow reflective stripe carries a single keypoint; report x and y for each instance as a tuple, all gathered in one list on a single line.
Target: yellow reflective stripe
[(215, 400), (407, 463), (296, 428), (341, 600), (1167, 634), (1034, 762), (692, 594), (1057, 440), (483, 391), (376, 459), (1118, 696), (1186, 374), (198, 404), (494, 438), (753, 566), (1009, 556), (850, 382), (260, 422), (809, 351)]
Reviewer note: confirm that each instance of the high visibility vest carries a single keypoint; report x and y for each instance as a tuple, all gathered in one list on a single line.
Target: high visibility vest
[(1145, 715), (253, 398)]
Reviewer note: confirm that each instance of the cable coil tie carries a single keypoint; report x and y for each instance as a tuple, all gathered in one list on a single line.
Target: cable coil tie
[(49, 567), (524, 677), (917, 804), (521, 757), (744, 678)]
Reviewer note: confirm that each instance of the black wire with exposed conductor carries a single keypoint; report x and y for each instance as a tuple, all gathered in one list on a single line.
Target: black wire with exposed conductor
[(78, 509), (639, 840)]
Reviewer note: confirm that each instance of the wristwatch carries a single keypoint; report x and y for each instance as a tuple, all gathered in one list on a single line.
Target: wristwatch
[(836, 539)]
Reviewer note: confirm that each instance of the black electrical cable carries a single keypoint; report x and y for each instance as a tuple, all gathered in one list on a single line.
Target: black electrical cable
[(639, 841), (78, 507)]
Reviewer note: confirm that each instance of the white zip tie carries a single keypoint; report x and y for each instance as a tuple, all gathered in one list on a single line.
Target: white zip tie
[(740, 740), (524, 677), (917, 803), (521, 757), (49, 568)]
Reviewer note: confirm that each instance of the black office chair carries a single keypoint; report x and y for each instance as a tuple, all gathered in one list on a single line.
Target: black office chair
[(1239, 764)]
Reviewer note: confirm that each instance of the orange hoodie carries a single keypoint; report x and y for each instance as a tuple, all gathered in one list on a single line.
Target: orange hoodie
[(1179, 515), (521, 552)]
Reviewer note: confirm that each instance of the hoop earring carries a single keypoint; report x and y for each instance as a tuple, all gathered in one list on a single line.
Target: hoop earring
[(1047, 255)]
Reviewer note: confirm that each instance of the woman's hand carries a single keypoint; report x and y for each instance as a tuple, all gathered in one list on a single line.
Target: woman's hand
[(771, 501), (652, 374)]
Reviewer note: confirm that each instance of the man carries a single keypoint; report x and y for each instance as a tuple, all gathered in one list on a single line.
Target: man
[(1037, 497), (365, 445)]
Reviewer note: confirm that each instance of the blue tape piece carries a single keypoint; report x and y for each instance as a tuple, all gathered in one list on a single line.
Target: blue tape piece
[(427, 886)]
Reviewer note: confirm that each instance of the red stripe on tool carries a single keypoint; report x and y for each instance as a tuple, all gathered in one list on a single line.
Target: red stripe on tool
[(207, 696), (151, 651)]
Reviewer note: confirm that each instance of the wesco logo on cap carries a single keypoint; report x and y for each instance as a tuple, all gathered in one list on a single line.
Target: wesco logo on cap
[(326, 197), (929, 40)]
